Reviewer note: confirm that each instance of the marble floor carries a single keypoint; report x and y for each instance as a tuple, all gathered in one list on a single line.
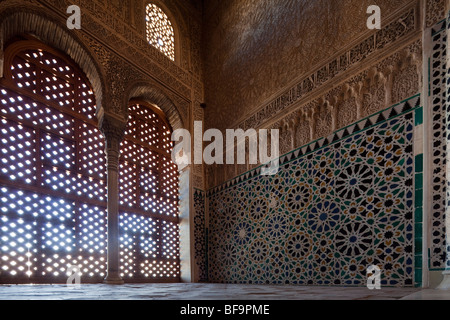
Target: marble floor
[(211, 292)]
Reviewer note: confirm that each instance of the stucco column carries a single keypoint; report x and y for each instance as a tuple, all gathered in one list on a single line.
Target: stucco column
[(445, 285), (113, 129)]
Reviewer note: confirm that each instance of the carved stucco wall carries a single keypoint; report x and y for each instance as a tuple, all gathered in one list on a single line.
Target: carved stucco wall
[(255, 51), (257, 48), (339, 74), (361, 77), (357, 79)]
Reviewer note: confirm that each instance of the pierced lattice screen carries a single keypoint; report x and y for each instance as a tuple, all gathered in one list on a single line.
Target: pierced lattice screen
[(53, 180), (149, 198), (160, 33), (53, 194)]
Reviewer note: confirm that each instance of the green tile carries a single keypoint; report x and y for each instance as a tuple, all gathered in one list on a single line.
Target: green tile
[(418, 261), (419, 231), (419, 116), (419, 163), (418, 215), (419, 198), (419, 181), (429, 258), (418, 277), (418, 245)]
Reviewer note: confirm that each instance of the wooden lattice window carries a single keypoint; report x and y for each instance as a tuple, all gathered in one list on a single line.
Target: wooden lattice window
[(149, 239), (160, 31), (53, 178), (53, 168)]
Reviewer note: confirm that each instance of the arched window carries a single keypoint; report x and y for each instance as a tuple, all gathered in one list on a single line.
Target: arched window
[(160, 31), (149, 198), (52, 177)]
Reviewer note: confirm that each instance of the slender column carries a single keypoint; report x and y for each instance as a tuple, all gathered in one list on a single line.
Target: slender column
[(445, 285), (113, 130)]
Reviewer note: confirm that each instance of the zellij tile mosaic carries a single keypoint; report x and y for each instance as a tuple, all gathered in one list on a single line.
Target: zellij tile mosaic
[(325, 217)]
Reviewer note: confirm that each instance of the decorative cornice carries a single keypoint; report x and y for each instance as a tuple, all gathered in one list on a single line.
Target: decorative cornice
[(390, 113), (393, 79)]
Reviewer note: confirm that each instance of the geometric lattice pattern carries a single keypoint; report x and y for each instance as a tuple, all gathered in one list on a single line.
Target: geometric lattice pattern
[(447, 77), (160, 32), (52, 181), (148, 185), (200, 235), (327, 215), (437, 89)]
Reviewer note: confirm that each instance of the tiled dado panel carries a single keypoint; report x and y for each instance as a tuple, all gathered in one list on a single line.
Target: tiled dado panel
[(336, 207), (437, 92)]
